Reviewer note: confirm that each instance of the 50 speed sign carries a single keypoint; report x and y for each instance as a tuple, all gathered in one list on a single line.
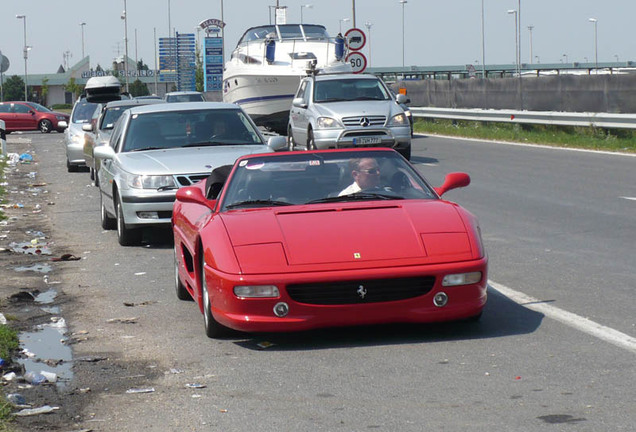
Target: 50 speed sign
[(358, 61)]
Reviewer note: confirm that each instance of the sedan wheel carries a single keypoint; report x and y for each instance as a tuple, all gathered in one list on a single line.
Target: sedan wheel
[(45, 126), (126, 236), (182, 292), (290, 140), (311, 144), (212, 328), (108, 223)]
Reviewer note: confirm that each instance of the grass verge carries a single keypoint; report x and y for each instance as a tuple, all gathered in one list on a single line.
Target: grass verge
[(617, 140), (9, 342)]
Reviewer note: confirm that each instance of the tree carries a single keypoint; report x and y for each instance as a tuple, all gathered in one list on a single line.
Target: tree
[(138, 88), (45, 90), (14, 88), (198, 72), (73, 87), (141, 65)]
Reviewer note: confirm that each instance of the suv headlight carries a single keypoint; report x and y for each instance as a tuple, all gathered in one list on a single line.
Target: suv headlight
[(327, 123), (150, 182), (399, 120)]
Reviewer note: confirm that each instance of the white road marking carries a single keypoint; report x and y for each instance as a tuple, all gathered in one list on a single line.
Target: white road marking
[(629, 198), (585, 325)]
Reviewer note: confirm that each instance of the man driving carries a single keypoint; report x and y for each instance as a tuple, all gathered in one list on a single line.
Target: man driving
[(365, 173)]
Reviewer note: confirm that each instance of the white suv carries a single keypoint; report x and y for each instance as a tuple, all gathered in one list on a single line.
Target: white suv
[(348, 110)]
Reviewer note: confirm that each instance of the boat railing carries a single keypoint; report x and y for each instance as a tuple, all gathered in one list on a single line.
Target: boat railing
[(254, 51)]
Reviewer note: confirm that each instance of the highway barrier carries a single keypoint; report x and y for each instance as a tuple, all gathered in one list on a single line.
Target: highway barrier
[(584, 119)]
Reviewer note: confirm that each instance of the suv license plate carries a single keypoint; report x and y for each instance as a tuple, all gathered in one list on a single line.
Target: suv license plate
[(367, 140)]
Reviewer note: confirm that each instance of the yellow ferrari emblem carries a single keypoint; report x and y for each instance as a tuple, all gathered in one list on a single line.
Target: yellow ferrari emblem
[(356, 255)]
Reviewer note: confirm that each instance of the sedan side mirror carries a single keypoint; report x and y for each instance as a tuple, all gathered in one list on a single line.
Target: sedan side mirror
[(299, 102), (277, 143), (104, 152)]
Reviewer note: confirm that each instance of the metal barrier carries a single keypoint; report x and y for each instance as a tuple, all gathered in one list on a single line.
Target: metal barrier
[(3, 138), (585, 119)]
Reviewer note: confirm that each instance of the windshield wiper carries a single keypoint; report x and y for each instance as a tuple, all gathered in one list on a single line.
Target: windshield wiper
[(146, 148), (165, 188), (357, 196), (206, 143), (258, 203)]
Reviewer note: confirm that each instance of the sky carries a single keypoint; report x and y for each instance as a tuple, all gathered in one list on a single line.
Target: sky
[(436, 33)]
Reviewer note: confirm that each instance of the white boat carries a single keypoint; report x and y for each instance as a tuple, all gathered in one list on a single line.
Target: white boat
[(268, 63)]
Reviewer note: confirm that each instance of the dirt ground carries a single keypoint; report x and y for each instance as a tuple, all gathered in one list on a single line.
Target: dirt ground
[(26, 242)]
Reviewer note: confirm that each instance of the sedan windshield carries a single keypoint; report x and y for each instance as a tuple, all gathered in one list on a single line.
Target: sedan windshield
[(349, 90), (309, 178), (189, 128)]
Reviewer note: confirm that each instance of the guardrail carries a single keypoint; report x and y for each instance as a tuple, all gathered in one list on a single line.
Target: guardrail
[(585, 119)]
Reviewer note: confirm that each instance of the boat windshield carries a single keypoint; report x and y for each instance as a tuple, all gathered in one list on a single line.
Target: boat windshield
[(286, 32)]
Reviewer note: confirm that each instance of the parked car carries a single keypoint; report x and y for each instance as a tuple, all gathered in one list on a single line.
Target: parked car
[(283, 244), (155, 149), (74, 135), (184, 96), (99, 129), (348, 110), (27, 116)]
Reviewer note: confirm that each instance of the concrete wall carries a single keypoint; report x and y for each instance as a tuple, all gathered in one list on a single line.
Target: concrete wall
[(570, 93)]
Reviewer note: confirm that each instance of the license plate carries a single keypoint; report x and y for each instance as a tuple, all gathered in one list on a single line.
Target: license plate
[(367, 140)]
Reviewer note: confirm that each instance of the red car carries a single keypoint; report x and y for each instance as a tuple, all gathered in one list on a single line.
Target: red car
[(26, 116), (302, 240)]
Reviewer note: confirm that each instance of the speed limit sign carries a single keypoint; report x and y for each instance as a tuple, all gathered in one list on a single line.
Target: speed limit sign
[(358, 61)]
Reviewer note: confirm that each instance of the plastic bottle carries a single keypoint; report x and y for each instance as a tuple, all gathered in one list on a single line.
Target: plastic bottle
[(34, 378)]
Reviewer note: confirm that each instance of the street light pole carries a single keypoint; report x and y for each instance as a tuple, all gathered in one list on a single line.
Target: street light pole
[(341, 21), (403, 2), (530, 27), (26, 55), (82, 24), (595, 22), (483, 42), (368, 25), (512, 11), (125, 18), (308, 6)]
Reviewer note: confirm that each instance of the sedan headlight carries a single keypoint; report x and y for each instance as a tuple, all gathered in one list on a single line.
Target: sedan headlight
[(327, 123), (399, 120), (256, 291), (151, 182), (461, 279)]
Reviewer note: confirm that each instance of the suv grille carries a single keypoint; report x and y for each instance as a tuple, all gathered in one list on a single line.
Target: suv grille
[(357, 121), (363, 291), (188, 180)]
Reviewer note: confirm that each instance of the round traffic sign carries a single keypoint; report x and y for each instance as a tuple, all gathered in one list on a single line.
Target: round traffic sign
[(4, 63), (358, 61), (355, 39)]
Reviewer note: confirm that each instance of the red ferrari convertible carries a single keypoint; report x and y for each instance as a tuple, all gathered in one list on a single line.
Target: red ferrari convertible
[(301, 240)]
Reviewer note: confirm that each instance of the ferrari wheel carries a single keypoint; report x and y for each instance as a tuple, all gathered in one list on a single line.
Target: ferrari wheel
[(182, 292), (125, 235), (212, 328)]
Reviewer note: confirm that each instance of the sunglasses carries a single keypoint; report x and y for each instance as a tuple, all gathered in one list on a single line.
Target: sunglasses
[(370, 170)]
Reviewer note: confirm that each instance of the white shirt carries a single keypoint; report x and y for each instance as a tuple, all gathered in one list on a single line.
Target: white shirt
[(352, 188)]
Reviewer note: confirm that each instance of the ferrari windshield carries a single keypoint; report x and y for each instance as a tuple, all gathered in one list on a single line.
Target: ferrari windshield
[(326, 177), (189, 128)]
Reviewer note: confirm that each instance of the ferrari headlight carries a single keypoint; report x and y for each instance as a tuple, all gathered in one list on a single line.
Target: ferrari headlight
[(327, 122), (256, 291), (461, 279), (151, 182), (399, 120)]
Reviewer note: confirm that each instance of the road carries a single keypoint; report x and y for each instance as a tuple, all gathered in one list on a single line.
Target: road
[(559, 227)]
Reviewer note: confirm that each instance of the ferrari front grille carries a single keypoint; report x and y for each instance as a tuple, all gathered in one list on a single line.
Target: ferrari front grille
[(360, 291)]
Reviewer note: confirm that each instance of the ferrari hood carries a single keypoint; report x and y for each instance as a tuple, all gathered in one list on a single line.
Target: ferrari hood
[(354, 236), (185, 160)]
